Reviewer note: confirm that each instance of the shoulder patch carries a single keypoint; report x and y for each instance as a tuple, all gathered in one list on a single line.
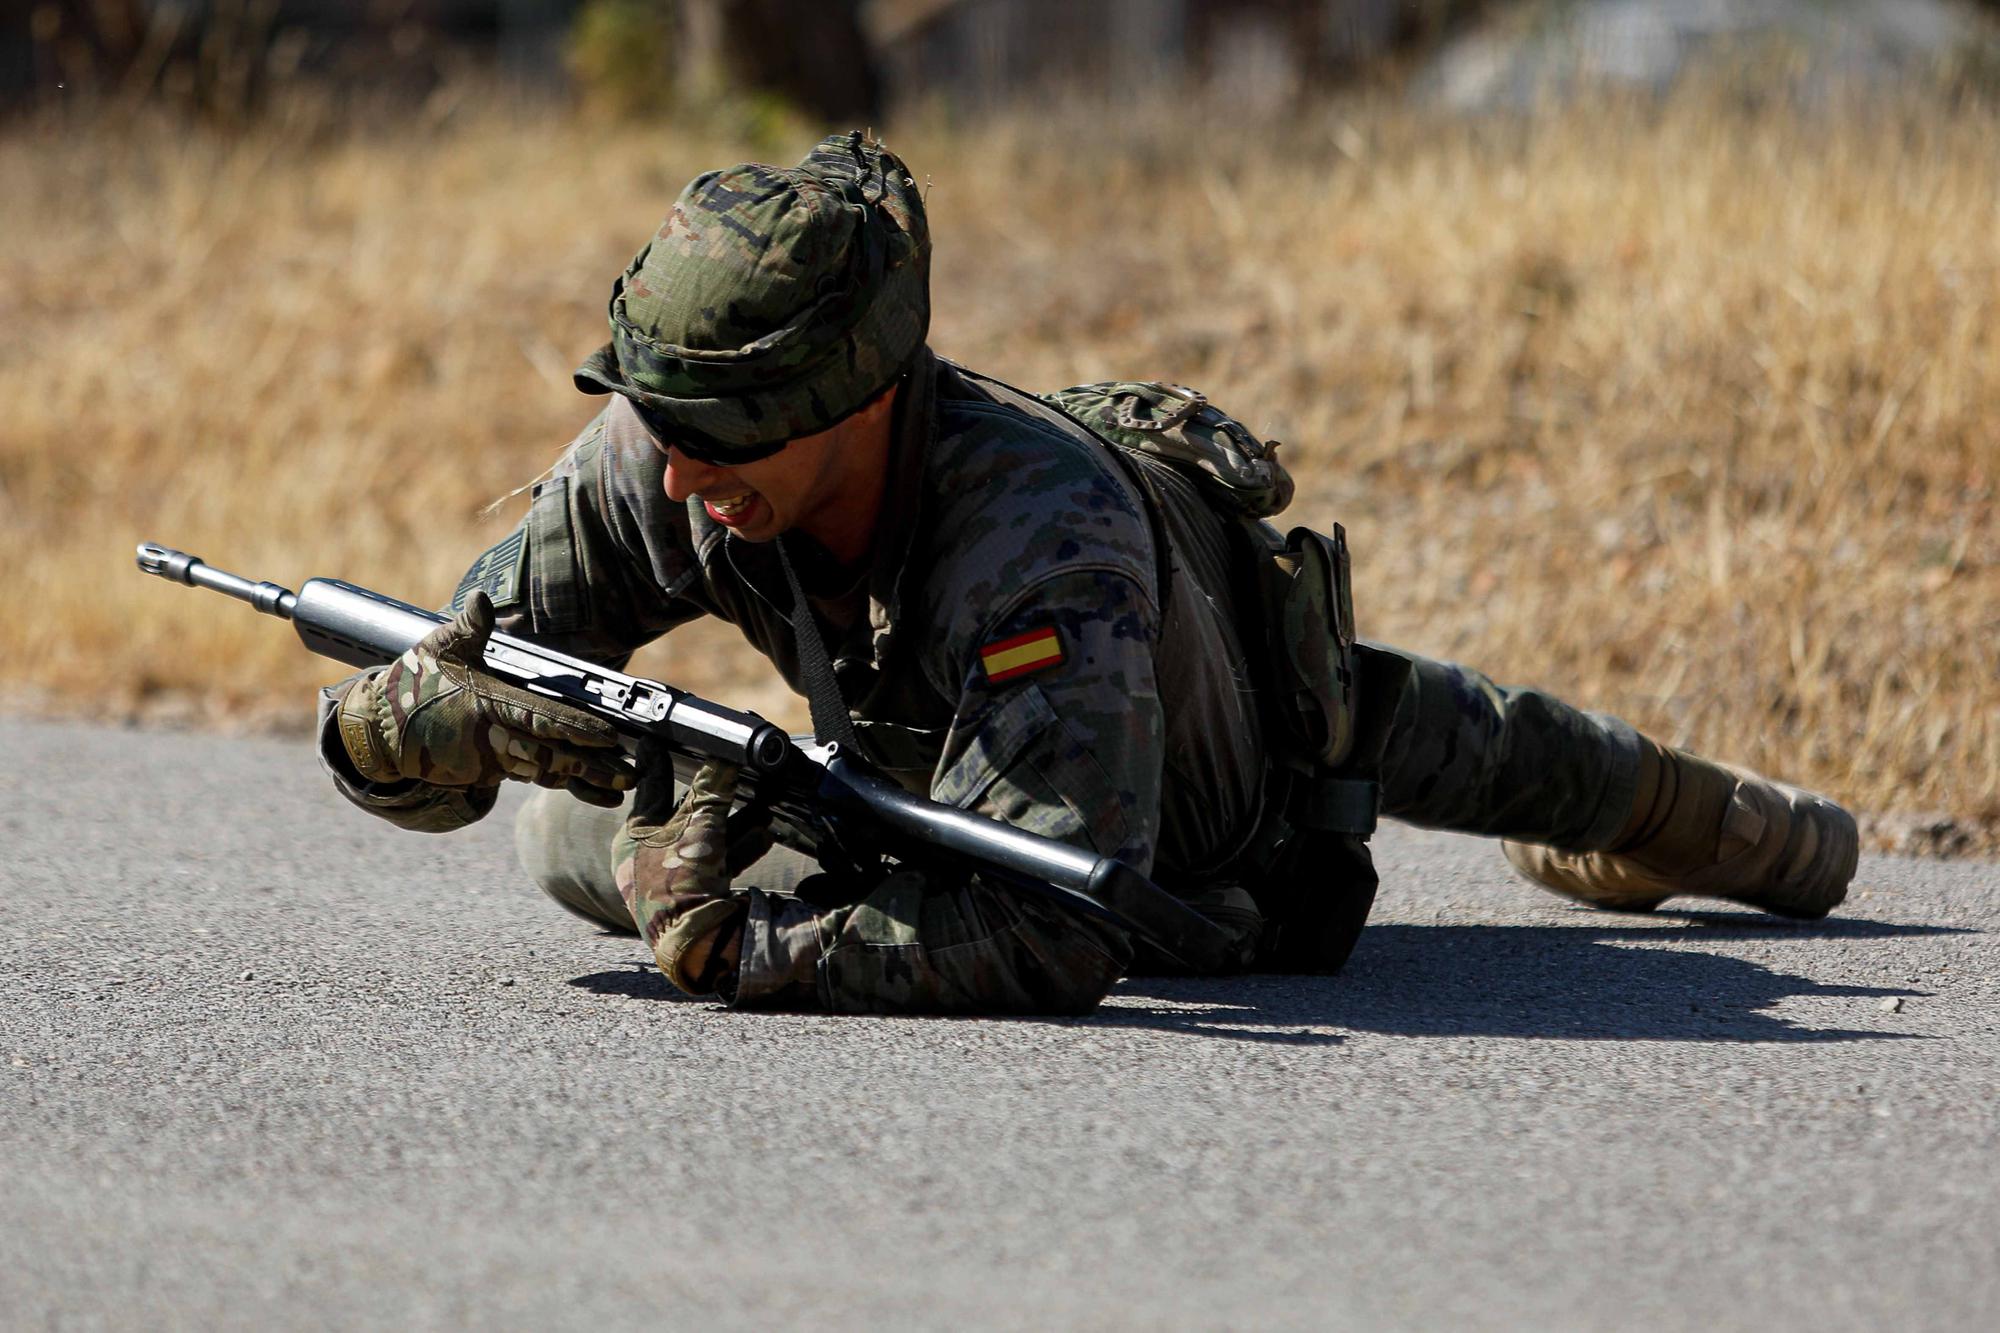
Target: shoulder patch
[(498, 571), (1020, 654)]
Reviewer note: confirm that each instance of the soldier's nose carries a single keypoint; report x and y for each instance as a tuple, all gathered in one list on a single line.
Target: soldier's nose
[(689, 476)]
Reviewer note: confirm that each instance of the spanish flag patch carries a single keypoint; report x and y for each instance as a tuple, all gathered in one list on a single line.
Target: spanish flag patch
[(1037, 650)]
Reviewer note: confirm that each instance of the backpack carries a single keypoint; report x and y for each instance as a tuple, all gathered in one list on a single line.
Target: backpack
[(1299, 581), (1325, 753)]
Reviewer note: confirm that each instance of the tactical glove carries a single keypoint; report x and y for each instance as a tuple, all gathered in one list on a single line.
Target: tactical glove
[(674, 866), (437, 716)]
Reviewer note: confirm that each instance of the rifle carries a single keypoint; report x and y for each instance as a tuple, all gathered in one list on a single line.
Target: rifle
[(828, 804)]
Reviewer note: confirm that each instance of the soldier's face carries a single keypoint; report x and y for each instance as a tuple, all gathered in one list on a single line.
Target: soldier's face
[(828, 485), (759, 500)]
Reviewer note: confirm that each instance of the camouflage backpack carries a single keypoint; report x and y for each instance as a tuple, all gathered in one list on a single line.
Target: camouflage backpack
[(1311, 871), (1300, 579)]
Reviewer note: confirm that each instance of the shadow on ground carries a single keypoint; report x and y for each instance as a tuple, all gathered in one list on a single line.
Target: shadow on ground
[(1582, 983), (640, 981)]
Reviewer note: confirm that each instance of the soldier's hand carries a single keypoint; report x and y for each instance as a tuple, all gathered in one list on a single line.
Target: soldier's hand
[(436, 715), (674, 869)]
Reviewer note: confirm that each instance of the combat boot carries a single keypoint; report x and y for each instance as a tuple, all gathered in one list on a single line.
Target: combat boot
[(1705, 828)]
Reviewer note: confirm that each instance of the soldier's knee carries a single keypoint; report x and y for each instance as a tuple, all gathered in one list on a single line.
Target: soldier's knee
[(974, 951), (1080, 993), (1079, 966), (565, 846)]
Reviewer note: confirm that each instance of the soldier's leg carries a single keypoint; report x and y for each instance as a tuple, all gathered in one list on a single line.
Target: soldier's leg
[(565, 846), (1468, 755), (907, 947), (914, 944), (1599, 812)]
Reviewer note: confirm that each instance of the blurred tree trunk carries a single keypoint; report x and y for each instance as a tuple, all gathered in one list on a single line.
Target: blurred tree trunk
[(89, 47), (810, 52), (129, 50)]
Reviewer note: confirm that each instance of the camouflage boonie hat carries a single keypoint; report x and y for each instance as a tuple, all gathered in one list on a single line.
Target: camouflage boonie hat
[(772, 303)]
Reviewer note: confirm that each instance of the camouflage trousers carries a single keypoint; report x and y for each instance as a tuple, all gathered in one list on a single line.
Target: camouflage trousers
[(1462, 753), (907, 946)]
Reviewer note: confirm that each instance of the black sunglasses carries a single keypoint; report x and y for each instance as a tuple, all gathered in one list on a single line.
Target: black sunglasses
[(700, 448)]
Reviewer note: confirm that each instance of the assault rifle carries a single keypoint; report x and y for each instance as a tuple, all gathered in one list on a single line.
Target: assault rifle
[(830, 805)]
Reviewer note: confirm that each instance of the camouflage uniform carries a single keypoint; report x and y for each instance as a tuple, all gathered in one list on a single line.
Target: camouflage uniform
[(774, 303), (1003, 516)]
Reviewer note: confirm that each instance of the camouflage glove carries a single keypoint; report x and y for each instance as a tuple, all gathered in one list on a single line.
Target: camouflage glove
[(435, 715), (674, 870)]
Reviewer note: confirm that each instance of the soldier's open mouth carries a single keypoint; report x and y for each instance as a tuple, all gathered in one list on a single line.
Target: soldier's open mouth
[(731, 512)]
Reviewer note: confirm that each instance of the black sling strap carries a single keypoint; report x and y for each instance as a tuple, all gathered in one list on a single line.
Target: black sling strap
[(829, 711)]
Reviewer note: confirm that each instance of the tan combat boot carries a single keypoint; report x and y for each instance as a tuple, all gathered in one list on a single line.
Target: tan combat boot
[(1704, 828)]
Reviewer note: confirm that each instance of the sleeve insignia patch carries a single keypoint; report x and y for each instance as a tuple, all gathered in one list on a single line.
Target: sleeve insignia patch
[(498, 571), (1037, 650)]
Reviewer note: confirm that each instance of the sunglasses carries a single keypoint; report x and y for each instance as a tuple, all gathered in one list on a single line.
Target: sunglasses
[(700, 448)]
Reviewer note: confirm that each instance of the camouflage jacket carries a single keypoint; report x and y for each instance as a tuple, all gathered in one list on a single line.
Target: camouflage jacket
[(1005, 522)]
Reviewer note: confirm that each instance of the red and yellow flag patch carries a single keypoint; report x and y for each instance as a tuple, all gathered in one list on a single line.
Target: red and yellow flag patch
[(1037, 650)]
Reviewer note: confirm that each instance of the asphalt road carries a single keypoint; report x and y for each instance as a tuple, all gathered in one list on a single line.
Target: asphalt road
[(264, 1062)]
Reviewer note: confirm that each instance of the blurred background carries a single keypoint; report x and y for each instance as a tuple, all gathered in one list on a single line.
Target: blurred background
[(1646, 350)]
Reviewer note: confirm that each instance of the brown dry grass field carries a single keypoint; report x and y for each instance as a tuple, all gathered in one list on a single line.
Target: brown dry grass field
[(1687, 412)]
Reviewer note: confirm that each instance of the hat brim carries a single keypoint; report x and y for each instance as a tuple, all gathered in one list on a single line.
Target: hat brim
[(599, 373)]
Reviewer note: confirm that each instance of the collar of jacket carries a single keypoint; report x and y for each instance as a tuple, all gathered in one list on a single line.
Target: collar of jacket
[(914, 432)]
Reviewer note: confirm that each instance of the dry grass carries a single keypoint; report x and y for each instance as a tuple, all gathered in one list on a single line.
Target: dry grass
[(1685, 413)]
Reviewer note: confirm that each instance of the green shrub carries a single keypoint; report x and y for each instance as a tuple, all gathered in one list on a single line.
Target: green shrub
[(621, 54)]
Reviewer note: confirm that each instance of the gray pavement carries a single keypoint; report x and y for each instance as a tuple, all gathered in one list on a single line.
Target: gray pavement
[(264, 1062)]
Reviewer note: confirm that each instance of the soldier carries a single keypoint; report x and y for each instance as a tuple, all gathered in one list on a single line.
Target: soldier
[(982, 595)]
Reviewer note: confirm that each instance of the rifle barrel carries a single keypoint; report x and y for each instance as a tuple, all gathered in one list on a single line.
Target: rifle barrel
[(181, 567)]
